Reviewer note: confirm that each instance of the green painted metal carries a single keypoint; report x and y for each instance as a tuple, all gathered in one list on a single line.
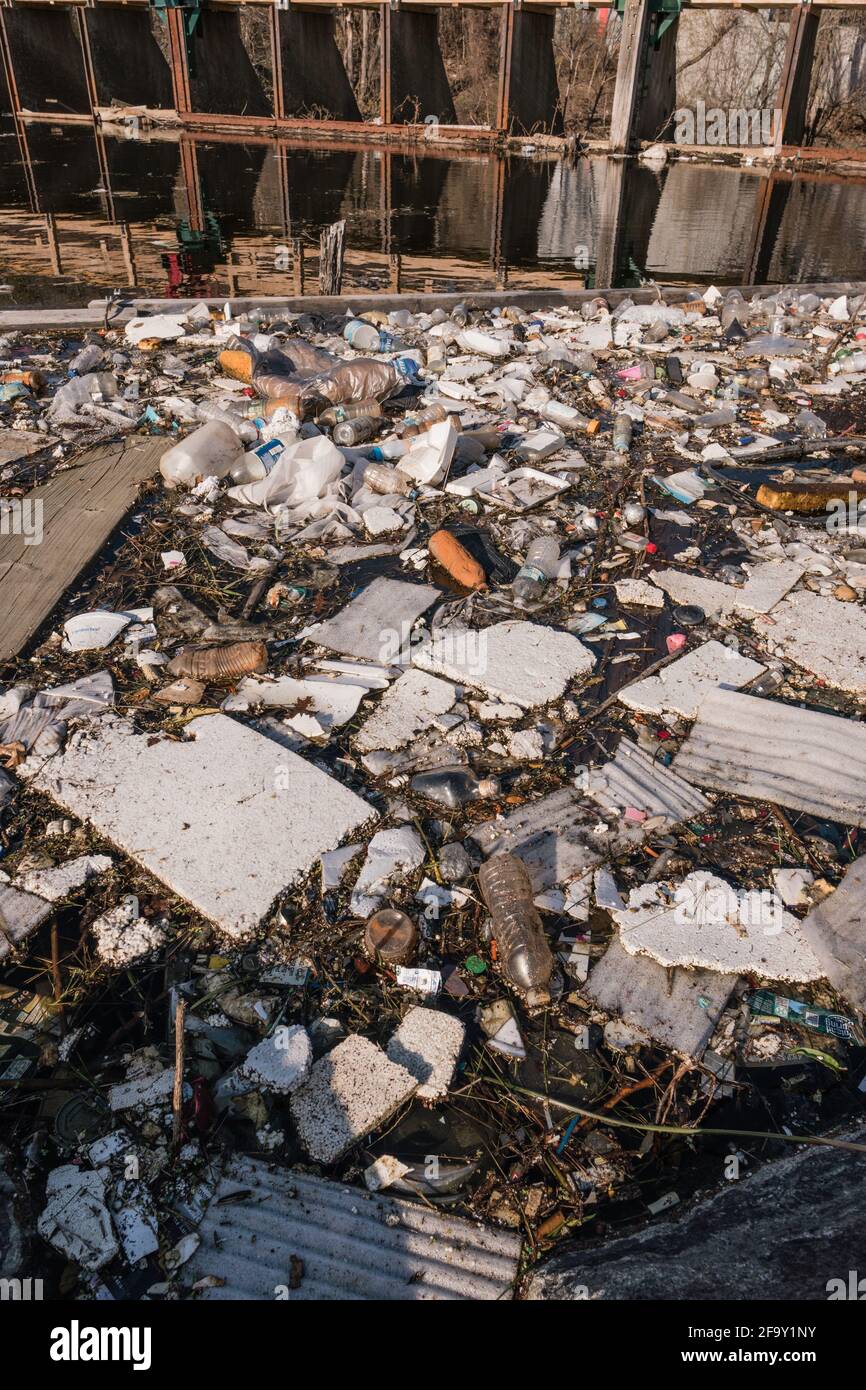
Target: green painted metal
[(665, 12), (192, 8)]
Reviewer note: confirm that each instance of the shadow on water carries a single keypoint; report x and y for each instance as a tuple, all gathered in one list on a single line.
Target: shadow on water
[(83, 213)]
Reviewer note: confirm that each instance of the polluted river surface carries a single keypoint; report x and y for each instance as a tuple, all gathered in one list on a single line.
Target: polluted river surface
[(432, 806), (84, 213)]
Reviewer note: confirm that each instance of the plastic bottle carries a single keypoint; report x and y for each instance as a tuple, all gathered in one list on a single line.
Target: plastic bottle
[(453, 786), (421, 421), (378, 477), (245, 429), (811, 424), (363, 337), (85, 360), (391, 448), (211, 451), (541, 560), (336, 414), (351, 432), (622, 432), (524, 956), (849, 362), (558, 413)]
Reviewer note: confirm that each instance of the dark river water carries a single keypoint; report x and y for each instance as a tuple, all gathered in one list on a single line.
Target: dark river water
[(81, 214)]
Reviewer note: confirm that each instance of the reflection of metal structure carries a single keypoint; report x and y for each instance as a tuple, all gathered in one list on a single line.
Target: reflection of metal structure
[(535, 214)]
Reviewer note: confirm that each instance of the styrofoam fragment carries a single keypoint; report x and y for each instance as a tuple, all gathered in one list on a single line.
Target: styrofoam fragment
[(706, 923), (410, 706), (518, 662), (279, 1063), (767, 585), (824, 636), (428, 1044), (226, 818), (680, 687), (350, 1091)]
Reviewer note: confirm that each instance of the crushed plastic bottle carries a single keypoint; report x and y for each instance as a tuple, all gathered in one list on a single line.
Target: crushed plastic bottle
[(525, 959), (85, 360), (380, 478), (351, 410)]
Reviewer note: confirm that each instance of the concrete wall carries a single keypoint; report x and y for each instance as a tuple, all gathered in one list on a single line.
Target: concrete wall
[(314, 78), (128, 63), (419, 84), (46, 56), (533, 93)]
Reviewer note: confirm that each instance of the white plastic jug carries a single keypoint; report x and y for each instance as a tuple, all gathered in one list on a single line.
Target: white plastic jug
[(211, 451)]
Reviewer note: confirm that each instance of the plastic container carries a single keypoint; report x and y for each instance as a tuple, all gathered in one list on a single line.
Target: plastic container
[(352, 432), (530, 581), (390, 937), (352, 410), (211, 451), (85, 360), (381, 478), (453, 786), (525, 959), (622, 433)]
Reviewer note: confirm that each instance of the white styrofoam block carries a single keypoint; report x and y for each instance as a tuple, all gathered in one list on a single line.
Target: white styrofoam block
[(227, 819)]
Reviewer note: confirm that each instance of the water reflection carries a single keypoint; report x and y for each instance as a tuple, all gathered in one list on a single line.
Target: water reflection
[(83, 212)]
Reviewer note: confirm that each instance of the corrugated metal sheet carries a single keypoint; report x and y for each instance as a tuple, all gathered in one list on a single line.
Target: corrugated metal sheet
[(353, 1244), (634, 778), (761, 748), (559, 836), (555, 837)]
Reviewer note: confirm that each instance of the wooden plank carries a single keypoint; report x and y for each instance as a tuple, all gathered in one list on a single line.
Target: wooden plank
[(792, 100), (632, 53), (80, 509)]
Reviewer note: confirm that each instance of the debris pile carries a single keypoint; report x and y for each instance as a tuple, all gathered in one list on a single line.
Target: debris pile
[(439, 806)]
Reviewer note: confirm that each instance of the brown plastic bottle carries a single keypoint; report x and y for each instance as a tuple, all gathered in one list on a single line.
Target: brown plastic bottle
[(525, 959)]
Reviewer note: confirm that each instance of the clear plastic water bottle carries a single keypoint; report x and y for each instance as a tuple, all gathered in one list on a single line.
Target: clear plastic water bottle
[(453, 786), (622, 433), (381, 478), (352, 432), (525, 959), (85, 360), (350, 410), (541, 560)]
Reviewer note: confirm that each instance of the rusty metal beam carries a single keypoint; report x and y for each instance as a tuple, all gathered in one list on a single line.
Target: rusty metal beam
[(192, 184), (178, 60), (385, 109), (279, 102), (506, 46), (792, 100)]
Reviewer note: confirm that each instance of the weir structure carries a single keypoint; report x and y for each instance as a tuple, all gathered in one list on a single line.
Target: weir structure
[(243, 65)]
